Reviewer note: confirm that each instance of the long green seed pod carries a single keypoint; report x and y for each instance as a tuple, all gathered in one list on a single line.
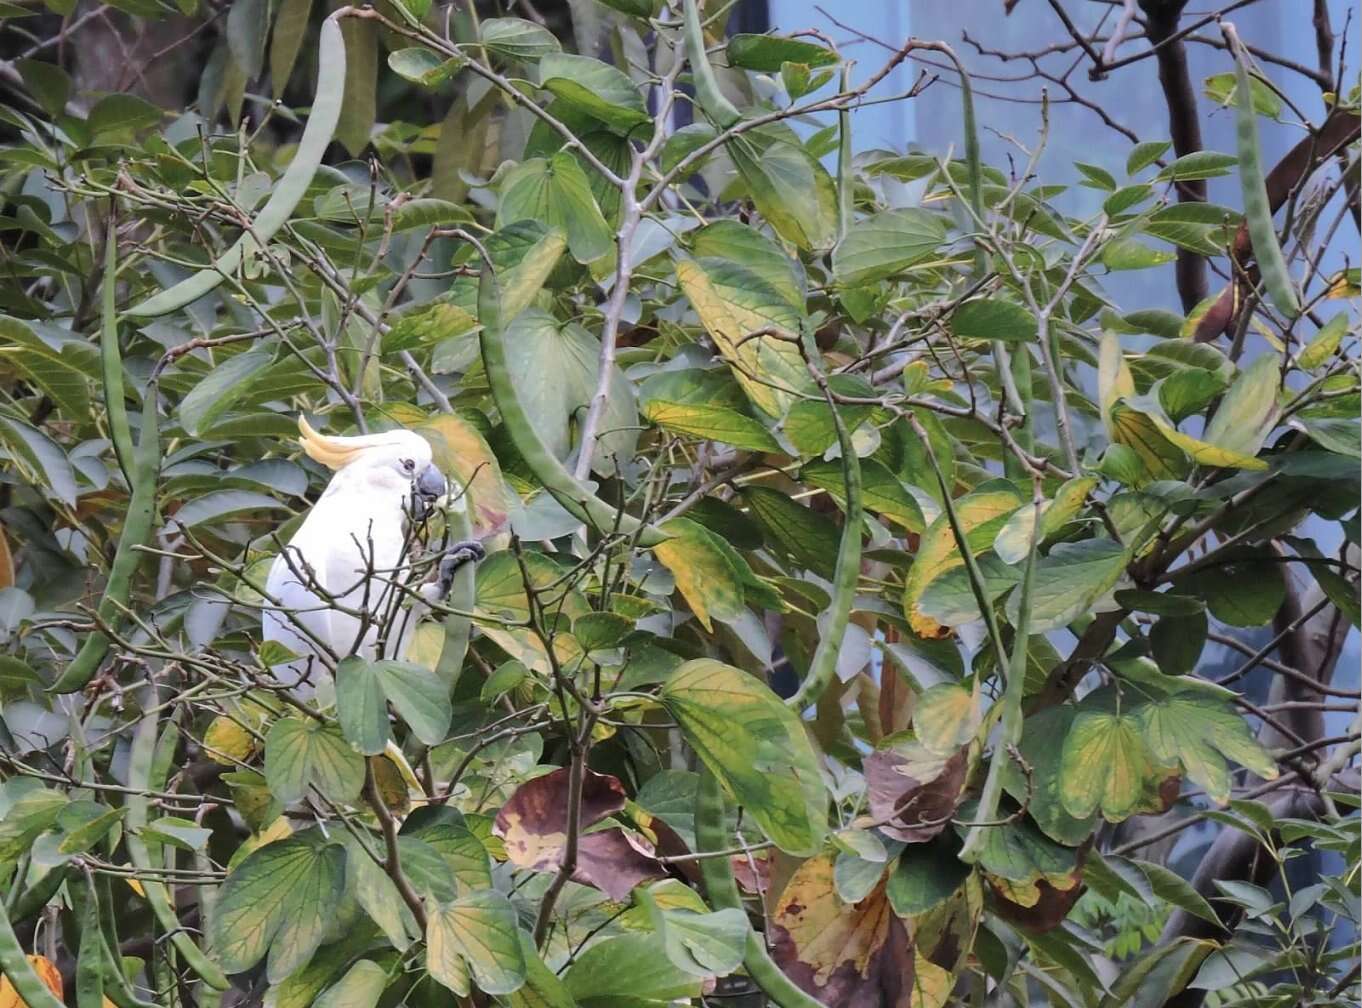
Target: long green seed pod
[(15, 965), (457, 628), (1267, 251), (37, 896), (575, 498), (111, 360), (1013, 690), (823, 666), (90, 957), (137, 530), (140, 779), (712, 100), (722, 891), (845, 176), (321, 126)]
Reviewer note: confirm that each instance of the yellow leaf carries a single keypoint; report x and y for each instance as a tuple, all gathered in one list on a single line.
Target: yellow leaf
[(981, 516), (47, 973), (136, 887), (1114, 380), (1205, 453), (390, 785), (768, 368), (946, 717), (460, 452), (227, 742), (1137, 431)]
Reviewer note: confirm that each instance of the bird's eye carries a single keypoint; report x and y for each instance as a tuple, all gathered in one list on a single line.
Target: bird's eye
[(408, 465)]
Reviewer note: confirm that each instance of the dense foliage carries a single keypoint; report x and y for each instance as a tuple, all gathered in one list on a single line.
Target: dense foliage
[(851, 557)]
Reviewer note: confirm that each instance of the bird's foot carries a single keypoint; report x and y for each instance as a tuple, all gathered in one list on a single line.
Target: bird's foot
[(467, 551)]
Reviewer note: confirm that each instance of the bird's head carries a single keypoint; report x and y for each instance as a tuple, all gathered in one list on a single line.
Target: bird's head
[(400, 458)]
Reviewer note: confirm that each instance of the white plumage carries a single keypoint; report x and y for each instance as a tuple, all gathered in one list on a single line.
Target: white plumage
[(335, 582)]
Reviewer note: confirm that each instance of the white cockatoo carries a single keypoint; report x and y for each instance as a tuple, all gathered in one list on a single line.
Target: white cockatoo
[(340, 583)]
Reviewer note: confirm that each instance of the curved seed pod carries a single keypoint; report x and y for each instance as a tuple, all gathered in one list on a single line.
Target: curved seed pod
[(712, 100), (36, 896), (90, 957), (16, 967), (1013, 690), (824, 664), (722, 891), (575, 498), (140, 780), (1257, 210), (111, 360), (321, 126), (457, 628), (137, 528)]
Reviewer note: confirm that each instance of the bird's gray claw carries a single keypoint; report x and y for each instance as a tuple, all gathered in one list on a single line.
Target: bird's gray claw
[(467, 551)]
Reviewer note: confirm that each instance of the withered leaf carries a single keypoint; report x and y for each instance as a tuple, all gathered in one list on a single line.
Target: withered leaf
[(913, 794)]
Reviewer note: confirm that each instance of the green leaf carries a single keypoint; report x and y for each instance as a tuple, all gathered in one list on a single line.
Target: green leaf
[(1198, 165), (1200, 733), (1104, 766), (881, 490), (712, 422), (361, 82), (476, 934), (45, 456), (993, 319), (926, 875), (518, 39), (222, 503), (290, 25), (1144, 154), (1128, 254), (1019, 852), (630, 971), (364, 688), (702, 944), (1244, 590), (1249, 410), (55, 373), (595, 89), (221, 388), (555, 192), (808, 537), (122, 113), (766, 53), (302, 752), (280, 900), (790, 188), (1071, 578), (422, 66), (524, 254), (1221, 88), (756, 746), (884, 244)]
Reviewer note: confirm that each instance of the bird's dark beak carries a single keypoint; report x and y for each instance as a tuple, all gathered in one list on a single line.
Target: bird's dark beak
[(431, 484)]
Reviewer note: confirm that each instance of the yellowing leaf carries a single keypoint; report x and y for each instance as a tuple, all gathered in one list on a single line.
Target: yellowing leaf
[(1200, 733), (946, 717), (768, 368), (1204, 453), (1160, 458), (1114, 380), (47, 972), (1104, 765), (981, 513), (703, 573), (227, 742), (1249, 409), (460, 451)]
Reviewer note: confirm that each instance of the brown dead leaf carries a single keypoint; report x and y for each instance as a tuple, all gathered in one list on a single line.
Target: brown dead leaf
[(913, 793), (533, 825), (850, 955), (6, 561)]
